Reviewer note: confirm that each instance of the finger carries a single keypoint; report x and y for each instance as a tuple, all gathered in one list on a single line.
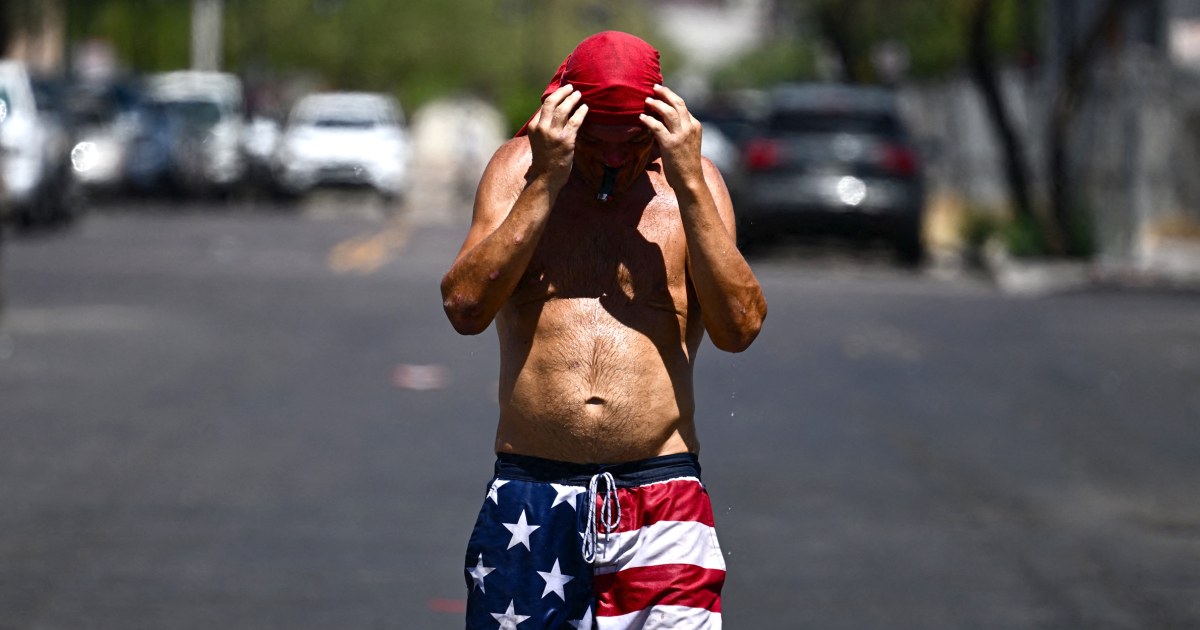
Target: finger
[(666, 94), (556, 97), (566, 107), (576, 120), (654, 125), (670, 115)]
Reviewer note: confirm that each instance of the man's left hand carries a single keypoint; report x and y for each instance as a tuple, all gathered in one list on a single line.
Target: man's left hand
[(678, 134)]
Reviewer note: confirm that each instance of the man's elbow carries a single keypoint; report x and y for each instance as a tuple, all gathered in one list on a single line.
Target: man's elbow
[(466, 315), (737, 338), (466, 321), (737, 341)]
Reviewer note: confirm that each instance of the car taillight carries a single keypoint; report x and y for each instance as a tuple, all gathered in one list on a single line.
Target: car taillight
[(762, 155), (899, 160)]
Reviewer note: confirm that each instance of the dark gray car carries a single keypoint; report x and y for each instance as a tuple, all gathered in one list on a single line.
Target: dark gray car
[(832, 159)]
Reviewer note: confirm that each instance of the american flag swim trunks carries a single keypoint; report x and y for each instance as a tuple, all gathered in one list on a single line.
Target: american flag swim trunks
[(574, 546)]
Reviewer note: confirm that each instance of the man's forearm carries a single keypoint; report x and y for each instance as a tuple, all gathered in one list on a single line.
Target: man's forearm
[(482, 279), (731, 300)]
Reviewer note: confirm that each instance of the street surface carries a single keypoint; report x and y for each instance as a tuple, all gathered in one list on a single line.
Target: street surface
[(260, 418)]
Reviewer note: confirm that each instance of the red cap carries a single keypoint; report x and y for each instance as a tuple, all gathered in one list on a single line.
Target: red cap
[(615, 72)]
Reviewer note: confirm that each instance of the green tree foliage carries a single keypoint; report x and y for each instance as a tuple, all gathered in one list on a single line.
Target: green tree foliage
[(416, 49), (934, 34), (149, 35), (781, 60)]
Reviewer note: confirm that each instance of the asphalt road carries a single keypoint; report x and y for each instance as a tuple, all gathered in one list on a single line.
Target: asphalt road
[(215, 418)]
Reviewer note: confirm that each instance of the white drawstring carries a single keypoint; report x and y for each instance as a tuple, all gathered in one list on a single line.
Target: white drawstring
[(590, 534)]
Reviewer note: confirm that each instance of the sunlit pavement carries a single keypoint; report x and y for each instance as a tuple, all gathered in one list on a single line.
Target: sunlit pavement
[(259, 418)]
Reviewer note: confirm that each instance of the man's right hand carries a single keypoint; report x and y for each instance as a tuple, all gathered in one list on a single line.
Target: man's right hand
[(552, 135)]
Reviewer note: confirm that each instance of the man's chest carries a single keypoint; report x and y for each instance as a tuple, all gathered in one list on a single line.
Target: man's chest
[(640, 256)]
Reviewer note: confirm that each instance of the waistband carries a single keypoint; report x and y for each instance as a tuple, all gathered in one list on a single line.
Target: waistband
[(626, 475)]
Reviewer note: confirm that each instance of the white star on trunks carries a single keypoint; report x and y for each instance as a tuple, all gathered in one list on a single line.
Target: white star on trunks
[(585, 623), (480, 572), (566, 494), (520, 532), (555, 581), (509, 618), (492, 490)]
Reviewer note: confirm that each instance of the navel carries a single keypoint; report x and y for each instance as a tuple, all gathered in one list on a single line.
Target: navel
[(595, 400)]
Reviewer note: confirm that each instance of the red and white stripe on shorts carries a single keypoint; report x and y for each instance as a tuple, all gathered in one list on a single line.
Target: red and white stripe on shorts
[(661, 567)]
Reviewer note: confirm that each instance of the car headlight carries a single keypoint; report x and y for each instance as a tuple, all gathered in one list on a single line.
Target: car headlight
[(85, 156), (851, 190)]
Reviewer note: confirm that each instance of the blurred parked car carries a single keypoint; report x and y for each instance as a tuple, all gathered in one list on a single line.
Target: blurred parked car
[(716, 146), (189, 134), (344, 138), (104, 116), (32, 149), (61, 198), (738, 114), (832, 159), (259, 139)]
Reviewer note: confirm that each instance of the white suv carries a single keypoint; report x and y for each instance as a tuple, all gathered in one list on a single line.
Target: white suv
[(23, 142), (347, 138)]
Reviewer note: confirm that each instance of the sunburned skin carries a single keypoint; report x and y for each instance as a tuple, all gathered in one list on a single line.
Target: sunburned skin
[(596, 342), (600, 306)]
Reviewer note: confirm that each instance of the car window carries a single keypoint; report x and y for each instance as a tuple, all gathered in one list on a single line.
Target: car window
[(3, 104), (835, 122), (93, 109), (46, 96), (344, 122), (195, 113)]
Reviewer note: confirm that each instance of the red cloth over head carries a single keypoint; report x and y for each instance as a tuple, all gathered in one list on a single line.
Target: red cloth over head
[(615, 72)]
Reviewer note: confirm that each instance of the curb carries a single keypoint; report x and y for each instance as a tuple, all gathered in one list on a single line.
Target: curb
[(1176, 269)]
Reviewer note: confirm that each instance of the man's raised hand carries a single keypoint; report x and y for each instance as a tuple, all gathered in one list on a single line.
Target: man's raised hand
[(678, 134), (552, 134)]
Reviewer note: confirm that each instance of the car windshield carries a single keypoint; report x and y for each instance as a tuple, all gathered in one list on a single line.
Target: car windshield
[(100, 106), (344, 122), (94, 111), (47, 95), (200, 114), (874, 123)]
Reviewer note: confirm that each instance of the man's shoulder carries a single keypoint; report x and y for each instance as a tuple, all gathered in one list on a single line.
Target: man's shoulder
[(514, 151), (509, 164)]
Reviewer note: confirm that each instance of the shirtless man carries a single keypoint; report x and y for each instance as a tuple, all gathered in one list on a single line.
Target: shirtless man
[(602, 244)]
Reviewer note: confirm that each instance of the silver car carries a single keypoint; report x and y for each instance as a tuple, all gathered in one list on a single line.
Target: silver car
[(189, 134), (343, 138)]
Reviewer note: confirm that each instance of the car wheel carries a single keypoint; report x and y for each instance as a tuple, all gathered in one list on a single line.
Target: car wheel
[(909, 247), (750, 239)]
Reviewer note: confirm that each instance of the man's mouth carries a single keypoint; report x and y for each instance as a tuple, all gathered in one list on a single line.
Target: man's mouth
[(607, 184)]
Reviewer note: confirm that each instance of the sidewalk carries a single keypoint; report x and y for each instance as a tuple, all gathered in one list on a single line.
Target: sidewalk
[(1172, 264)]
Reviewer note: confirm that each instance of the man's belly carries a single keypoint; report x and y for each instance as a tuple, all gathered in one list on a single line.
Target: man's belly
[(593, 384)]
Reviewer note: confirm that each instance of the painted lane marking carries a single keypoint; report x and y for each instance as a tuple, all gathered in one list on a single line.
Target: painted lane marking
[(367, 253)]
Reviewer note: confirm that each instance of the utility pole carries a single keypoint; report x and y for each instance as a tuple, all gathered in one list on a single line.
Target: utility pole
[(207, 23)]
